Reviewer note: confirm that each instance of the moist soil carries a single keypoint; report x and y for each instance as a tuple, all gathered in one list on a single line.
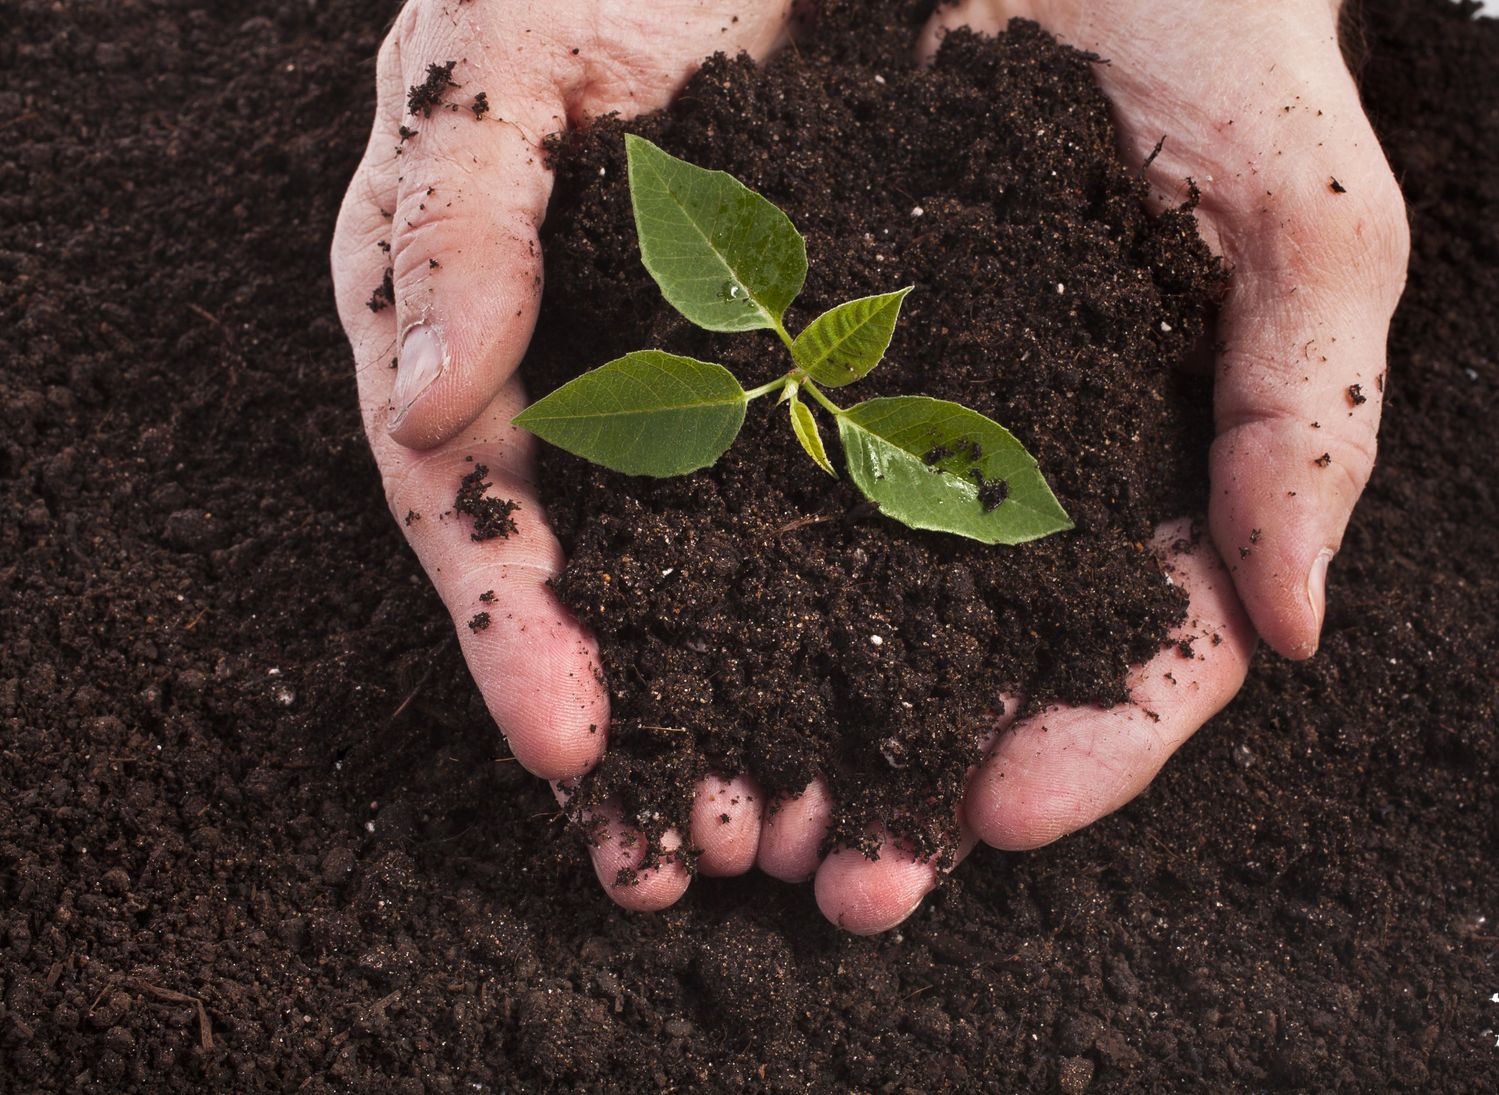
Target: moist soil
[(762, 617), (257, 831)]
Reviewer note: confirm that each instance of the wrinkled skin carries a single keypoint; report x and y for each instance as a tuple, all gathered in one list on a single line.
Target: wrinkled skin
[(1316, 276)]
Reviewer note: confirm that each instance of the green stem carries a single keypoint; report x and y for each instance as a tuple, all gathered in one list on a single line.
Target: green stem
[(782, 335), (765, 389), (812, 390)]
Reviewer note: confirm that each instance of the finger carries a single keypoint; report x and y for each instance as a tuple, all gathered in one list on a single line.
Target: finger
[(618, 852), (1300, 381), (471, 194), (726, 825), (868, 896), (1065, 768), (792, 836), (536, 667), (360, 253)]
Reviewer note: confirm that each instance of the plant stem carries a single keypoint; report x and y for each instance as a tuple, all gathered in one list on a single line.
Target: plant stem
[(812, 390), (783, 336), (765, 389)]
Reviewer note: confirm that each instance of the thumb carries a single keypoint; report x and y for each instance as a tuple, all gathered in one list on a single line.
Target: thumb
[(1318, 267), (465, 258)]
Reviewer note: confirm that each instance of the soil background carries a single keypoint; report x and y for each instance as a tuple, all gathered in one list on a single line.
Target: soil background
[(256, 829)]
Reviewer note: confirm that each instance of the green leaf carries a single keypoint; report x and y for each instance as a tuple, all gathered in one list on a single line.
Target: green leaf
[(724, 257), (844, 343), (647, 413), (805, 428), (931, 464)]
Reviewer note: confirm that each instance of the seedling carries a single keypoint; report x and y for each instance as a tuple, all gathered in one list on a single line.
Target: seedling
[(729, 260)]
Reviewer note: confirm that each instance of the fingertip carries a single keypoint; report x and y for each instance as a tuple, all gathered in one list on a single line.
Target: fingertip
[(867, 896), (538, 675), (726, 825), (793, 832), (617, 854)]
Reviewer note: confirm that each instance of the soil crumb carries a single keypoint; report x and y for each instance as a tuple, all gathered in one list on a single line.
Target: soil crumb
[(491, 515)]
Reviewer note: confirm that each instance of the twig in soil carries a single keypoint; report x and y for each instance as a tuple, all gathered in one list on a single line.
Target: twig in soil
[(215, 320), (196, 620), (426, 676), (802, 522), (140, 984), (205, 1029), (1154, 152)]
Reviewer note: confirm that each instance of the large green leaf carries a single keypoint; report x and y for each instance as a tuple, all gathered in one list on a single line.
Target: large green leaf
[(724, 257), (844, 343), (932, 464), (647, 413), (805, 428)]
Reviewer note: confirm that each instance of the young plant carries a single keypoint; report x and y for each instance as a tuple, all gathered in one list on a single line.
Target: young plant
[(729, 260)]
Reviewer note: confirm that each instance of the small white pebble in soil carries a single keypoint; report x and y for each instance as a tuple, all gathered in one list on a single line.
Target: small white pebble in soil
[(285, 696), (918, 211), (879, 79), (1165, 327), (1061, 288), (369, 826), (877, 640), (668, 572), (603, 171)]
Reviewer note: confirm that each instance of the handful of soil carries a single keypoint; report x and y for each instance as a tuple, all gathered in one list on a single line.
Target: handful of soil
[(759, 616)]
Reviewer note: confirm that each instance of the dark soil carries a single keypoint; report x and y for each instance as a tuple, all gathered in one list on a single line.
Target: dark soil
[(764, 607), (229, 781)]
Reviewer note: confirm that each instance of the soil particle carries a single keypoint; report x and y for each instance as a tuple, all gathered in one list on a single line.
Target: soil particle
[(384, 295), (423, 97), (491, 515)]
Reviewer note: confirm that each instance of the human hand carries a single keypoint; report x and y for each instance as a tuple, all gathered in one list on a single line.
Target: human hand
[(1257, 106), (449, 213)]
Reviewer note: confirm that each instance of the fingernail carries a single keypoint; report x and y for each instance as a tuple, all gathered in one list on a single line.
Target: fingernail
[(1316, 585), (421, 362)]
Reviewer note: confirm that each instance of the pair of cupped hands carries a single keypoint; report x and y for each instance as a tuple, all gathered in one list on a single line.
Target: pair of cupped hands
[(1258, 108)]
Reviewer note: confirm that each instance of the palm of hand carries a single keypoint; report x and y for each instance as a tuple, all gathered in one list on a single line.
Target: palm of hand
[(466, 268)]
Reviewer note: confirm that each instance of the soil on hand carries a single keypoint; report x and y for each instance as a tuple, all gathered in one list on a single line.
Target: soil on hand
[(242, 764), (766, 613)]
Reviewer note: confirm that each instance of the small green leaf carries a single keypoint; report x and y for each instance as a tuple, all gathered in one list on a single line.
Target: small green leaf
[(844, 343), (647, 413), (724, 257), (805, 428), (931, 464)]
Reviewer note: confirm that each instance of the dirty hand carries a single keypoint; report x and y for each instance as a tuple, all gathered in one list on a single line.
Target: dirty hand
[(437, 270), (1257, 107)]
